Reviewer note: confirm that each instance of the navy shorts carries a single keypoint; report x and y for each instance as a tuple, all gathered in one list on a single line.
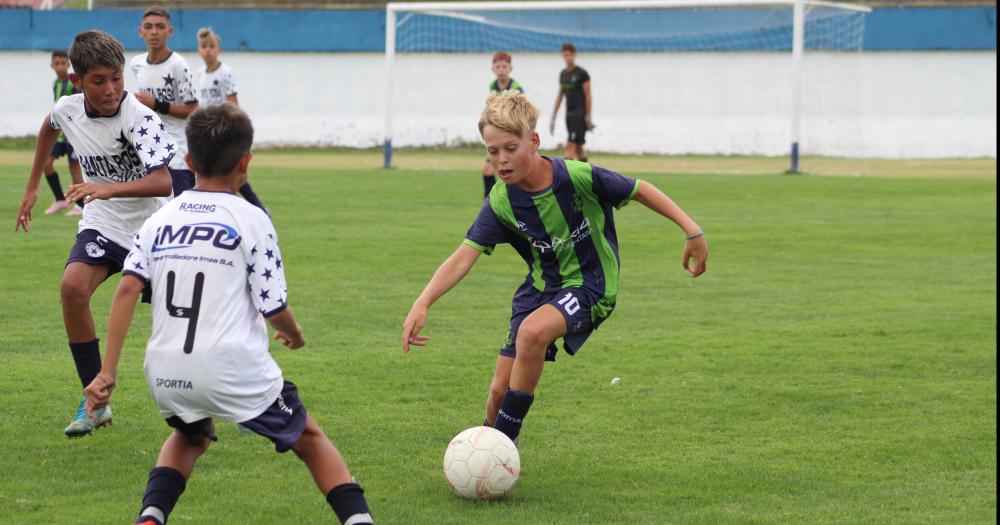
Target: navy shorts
[(182, 180), (64, 148), (284, 421), (93, 248), (576, 125), (575, 305)]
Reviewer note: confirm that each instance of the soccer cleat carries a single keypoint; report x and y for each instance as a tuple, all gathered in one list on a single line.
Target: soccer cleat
[(56, 206), (75, 211), (83, 425)]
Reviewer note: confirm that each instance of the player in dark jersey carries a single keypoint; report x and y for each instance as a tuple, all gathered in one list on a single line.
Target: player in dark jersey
[(501, 68), (62, 86), (574, 84), (558, 216)]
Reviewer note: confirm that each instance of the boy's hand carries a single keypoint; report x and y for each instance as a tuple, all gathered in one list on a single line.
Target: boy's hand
[(590, 123), (88, 191), (98, 392), (24, 210), (293, 340), (146, 99), (696, 249), (415, 321)]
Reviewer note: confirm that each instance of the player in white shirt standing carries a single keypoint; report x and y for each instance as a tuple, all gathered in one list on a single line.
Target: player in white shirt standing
[(213, 263), (167, 87), (123, 153), (217, 85)]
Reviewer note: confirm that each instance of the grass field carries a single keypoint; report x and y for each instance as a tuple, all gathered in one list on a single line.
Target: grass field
[(837, 363)]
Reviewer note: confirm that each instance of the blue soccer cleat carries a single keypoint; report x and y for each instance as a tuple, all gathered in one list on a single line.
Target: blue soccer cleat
[(83, 425)]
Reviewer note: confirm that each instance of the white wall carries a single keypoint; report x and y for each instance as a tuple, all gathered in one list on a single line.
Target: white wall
[(927, 104)]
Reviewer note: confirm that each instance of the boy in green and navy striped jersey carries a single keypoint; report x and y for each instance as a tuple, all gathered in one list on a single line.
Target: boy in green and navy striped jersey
[(501, 68), (558, 216), (62, 86)]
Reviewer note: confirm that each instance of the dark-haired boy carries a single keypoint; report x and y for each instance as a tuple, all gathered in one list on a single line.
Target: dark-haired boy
[(213, 263), (165, 85), (124, 167), (501, 67), (574, 84), (62, 86)]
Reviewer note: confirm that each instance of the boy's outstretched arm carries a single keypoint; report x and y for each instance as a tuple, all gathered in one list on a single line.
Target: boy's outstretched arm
[(696, 247), (155, 184), (289, 331), (450, 273), (99, 390), (46, 139)]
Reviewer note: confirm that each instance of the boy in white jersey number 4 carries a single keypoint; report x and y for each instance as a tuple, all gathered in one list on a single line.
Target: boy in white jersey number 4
[(217, 85), (123, 168), (166, 86), (558, 215), (216, 273)]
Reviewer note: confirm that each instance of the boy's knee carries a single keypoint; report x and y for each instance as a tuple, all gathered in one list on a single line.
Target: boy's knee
[(498, 389), (531, 341), (73, 292)]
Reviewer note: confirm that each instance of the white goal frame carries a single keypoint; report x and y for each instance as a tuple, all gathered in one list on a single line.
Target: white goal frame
[(798, 39)]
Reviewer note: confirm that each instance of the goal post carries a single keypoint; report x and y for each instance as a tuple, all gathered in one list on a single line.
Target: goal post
[(442, 34)]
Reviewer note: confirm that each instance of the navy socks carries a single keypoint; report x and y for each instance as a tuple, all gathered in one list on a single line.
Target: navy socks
[(162, 492), (348, 503), (514, 407), (87, 357)]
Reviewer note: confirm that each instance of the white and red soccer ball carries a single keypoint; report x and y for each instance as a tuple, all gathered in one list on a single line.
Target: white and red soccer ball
[(481, 463)]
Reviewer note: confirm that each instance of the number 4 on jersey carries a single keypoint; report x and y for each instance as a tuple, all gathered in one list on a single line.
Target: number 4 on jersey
[(186, 312)]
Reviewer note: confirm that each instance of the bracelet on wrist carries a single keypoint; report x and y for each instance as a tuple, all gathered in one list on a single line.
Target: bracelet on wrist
[(161, 106), (695, 236)]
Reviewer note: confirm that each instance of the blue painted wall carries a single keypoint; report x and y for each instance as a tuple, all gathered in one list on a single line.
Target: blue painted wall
[(959, 28)]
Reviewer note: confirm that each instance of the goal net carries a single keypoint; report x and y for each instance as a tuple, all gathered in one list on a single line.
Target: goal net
[(667, 76)]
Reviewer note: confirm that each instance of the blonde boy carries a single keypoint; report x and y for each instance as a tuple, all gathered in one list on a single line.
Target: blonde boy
[(558, 215)]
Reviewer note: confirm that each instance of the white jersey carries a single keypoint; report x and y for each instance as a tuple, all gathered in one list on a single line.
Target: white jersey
[(168, 81), (123, 147), (215, 86), (213, 263)]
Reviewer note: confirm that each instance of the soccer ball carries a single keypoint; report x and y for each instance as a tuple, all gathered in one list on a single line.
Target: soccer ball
[(481, 463)]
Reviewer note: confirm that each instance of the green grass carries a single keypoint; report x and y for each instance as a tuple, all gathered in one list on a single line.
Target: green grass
[(837, 363)]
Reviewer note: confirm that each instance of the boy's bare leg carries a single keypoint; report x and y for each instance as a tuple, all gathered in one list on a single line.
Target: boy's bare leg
[(181, 454), (570, 150), (78, 283), (581, 155), (489, 179), (329, 471), (498, 387), (537, 331), (323, 459)]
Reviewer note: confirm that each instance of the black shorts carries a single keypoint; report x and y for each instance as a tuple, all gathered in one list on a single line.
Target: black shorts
[(93, 248), (576, 125), (283, 422), (182, 180), (64, 148), (575, 305)]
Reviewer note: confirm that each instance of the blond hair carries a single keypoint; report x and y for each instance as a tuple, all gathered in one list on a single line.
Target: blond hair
[(206, 33), (509, 111)]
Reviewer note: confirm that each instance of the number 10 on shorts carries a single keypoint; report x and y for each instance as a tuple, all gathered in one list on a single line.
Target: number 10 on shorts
[(570, 303)]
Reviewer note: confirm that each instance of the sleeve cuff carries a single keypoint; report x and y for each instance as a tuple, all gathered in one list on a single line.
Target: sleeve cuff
[(137, 275), (488, 250), (276, 311), (626, 200)]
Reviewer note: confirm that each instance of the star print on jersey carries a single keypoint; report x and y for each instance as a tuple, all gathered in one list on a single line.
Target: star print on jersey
[(267, 282), (136, 263), (167, 80)]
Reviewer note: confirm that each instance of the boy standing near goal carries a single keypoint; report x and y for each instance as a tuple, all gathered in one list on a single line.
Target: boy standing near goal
[(213, 263), (62, 86), (501, 68), (217, 85), (574, 84), (557, 214), (124, 167), (166, 86)]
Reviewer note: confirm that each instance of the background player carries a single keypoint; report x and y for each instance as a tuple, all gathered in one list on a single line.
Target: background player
[(216, 85), (574, 83), (558, 216), (166, 86), (124, 155), (61, 87), (501, 68), (208, 354)]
